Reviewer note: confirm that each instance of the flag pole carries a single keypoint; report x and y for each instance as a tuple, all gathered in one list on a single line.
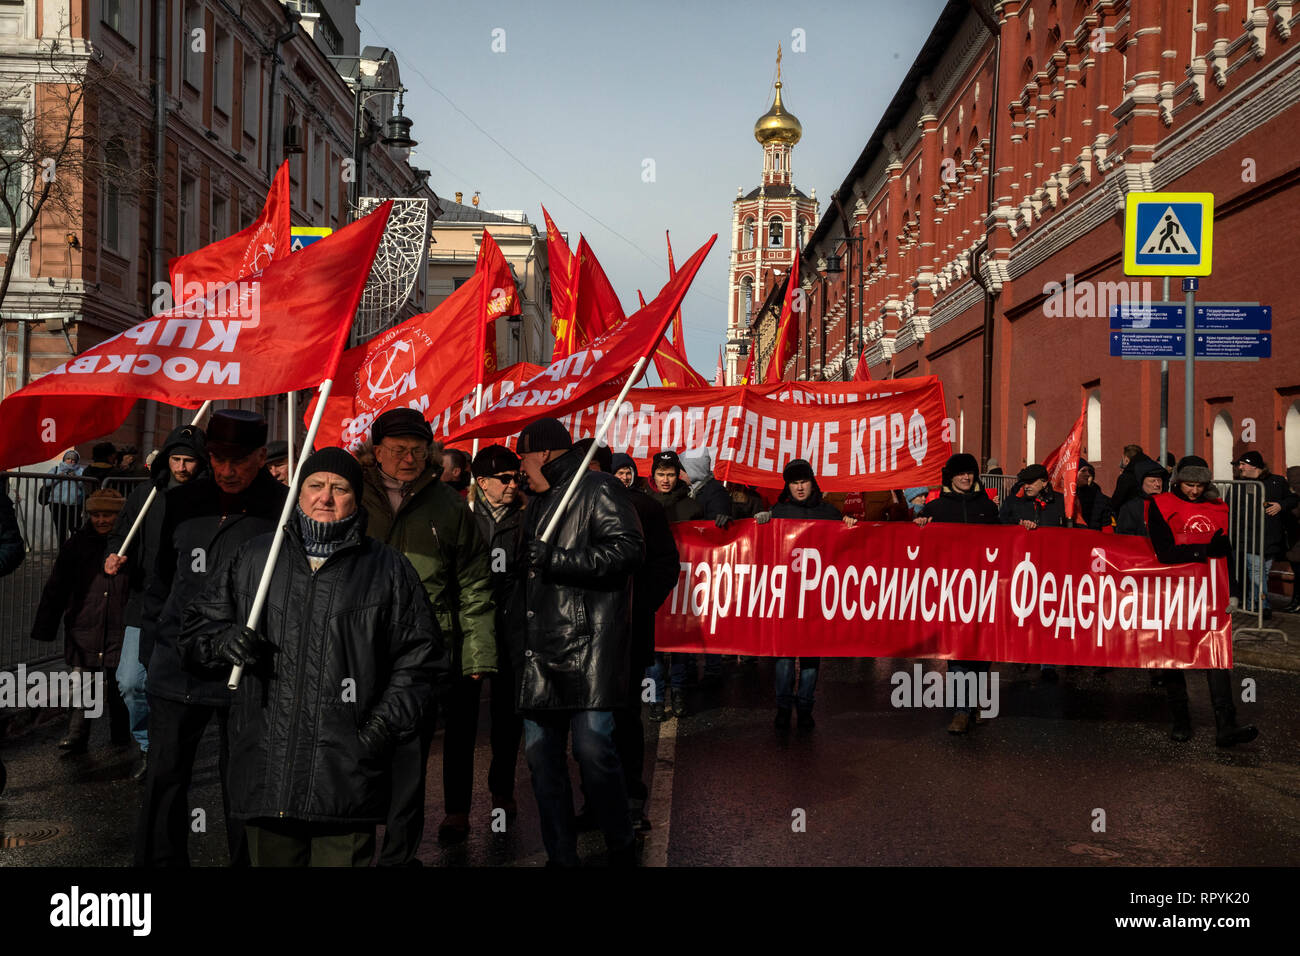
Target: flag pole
[(591, 451), (293, 417), (153, 492), (264, 586)]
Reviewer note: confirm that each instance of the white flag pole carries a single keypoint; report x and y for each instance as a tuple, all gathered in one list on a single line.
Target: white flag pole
[(153, 492), (591, 452), (264, 586), (478, 410), (293, 418)]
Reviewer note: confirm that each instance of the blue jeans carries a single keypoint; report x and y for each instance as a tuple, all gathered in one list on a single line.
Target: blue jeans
[(545, 746), (676, 672), (1251, 585), (785, 696), (130, 681)]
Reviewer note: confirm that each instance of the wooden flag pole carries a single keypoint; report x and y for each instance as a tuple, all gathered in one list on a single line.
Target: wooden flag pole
[(153, 492), (264, 586), (591, 452)]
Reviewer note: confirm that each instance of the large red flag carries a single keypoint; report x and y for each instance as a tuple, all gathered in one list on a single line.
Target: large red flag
[(281, 330), (563, 277), (247, 251), (497, 299), (679, 339), (1063, 463), (787, 327), (671, 364), (596, 308), (427, 362), (593, 373)]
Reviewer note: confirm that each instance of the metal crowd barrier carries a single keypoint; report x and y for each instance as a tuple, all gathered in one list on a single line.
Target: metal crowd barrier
[(1000, 484), (1245, 500), (44, 528)]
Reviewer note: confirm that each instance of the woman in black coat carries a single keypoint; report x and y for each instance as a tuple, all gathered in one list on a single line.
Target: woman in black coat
[(801, 499), (92, 605)]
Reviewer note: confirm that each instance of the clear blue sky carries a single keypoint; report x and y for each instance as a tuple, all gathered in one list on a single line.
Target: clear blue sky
[(585, 92)]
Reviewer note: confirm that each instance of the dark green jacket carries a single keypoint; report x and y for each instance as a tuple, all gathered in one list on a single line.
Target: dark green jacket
[(433, 527)]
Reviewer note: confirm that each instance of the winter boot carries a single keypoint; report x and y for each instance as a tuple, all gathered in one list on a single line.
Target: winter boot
[(78, 732), (782, 721), (1228, 734), (806, 721), (1182, 728)]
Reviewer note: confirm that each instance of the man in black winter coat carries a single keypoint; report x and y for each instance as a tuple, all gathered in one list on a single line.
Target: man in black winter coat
[(575, 671), (341, 667), (12, 550), (1152, 480), (1279, 499), (669, 491), (1031, 502), (801, 500), (183, 458), (962, 500), (205, 524), (1094, 507), (1126, 486), (498, 511)]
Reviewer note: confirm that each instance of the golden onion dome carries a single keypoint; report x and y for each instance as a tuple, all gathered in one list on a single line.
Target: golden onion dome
[(778, 125)]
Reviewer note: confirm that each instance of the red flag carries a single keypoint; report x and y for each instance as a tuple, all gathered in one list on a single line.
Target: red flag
[(787, 327), (863, 372), (748, 377), (673, 368), (1063, 463), (427, 362), (247, 251), (498, 297), (495, 387), (563, 277), (593, 373), (596, 308), (678, 338), (279, 331), (720, 376)]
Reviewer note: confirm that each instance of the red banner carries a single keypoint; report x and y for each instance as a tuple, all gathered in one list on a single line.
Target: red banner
[(495, 387), (992, 593)]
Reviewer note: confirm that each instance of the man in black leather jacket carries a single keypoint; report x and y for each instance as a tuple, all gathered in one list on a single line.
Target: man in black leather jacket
[(341, 666), (578, 639)]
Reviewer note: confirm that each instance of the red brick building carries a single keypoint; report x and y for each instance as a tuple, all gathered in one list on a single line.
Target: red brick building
[(1000, 169)]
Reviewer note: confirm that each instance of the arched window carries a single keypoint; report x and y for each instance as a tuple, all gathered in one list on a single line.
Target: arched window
[(116, 168), (1094, 426), (1292, 435), (747, 298), (1222, 433), (749, 233), (775, 232), (1031, 436)]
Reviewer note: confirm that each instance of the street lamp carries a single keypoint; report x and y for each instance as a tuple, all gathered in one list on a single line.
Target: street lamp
[(398, 131)]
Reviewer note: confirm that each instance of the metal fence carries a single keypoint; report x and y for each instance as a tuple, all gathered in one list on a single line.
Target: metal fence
[(44, 526)]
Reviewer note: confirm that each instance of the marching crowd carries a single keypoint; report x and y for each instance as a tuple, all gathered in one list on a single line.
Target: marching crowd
[(408, 580)]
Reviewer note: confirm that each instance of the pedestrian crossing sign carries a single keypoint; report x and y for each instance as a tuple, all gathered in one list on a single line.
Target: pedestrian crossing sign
[(303, 236), (1168, 234)]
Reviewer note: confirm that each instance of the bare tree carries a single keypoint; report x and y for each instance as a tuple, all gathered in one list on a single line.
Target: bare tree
[(61, 128)]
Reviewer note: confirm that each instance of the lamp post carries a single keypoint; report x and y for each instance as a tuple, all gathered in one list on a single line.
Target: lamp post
[(833, 267), (398, 132)]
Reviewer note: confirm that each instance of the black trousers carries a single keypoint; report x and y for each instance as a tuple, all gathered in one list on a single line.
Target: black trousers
[(404, 828), (1220, 682), (629, 740), (462, 732), (175, 729)]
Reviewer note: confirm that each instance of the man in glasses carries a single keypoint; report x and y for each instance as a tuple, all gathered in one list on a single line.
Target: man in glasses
[(498, 508), (411, 510)]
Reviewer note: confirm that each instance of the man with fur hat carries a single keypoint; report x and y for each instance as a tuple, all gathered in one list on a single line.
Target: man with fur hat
[(411, 510), (1032, 503), (1279, 499), (962, 500), (575, 671), (801, 499), (206, 521), (1190, 523), (182, 458), (339, 669)]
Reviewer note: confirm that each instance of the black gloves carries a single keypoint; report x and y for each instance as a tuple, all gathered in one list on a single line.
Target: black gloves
[(237, 645), (1219, 546), (375, 736), (539, 554), (722, 521)]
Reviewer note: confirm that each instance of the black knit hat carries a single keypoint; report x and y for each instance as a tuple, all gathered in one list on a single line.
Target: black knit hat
[(400, 421), (1032, 473), (545, 434), (235, 432), (1253, 458), (493, 460), (960, 464), (336, 461), (603, 456), (797, 470), (666, 459), (622, 460)]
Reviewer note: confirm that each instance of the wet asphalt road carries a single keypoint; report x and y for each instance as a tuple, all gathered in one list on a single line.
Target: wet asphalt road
[(876, 785)]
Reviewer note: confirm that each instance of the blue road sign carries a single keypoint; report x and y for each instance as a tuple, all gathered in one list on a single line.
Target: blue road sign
[(1236, 318), (1168, 234), (1160, 345), (1154, 315), (1232, 346)]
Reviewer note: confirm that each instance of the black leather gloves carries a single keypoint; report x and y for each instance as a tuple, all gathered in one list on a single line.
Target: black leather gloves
[(722, 520), (539, 554), (238, 646), (375, 736)]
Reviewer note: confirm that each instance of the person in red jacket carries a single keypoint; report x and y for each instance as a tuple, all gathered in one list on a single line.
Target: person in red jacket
[(1190, 523)]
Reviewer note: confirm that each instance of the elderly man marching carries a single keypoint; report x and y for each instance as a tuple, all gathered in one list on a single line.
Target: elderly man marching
[(340, 669), (424, 518)]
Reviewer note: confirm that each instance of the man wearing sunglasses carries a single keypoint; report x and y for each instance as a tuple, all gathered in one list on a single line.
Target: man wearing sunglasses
[(411, 510), (498, 508)]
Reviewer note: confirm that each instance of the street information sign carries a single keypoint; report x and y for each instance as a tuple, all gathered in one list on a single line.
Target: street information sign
[(1168, 234)]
